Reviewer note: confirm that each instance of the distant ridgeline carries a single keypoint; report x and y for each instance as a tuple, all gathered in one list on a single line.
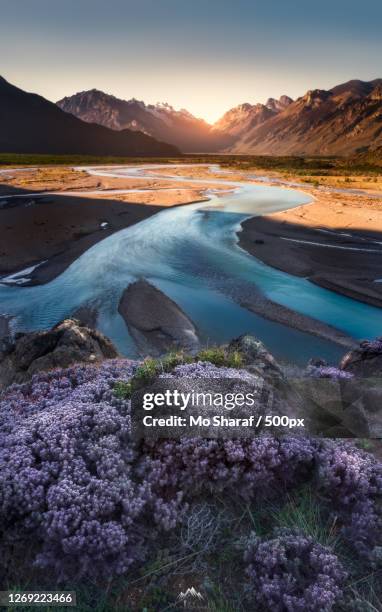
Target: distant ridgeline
[(341, 121), (344, 120)]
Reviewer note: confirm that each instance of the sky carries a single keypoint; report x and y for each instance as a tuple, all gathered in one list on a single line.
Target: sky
[(203, 55)]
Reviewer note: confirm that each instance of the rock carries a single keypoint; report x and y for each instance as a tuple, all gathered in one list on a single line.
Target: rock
[(282, 395), (87, 315), (156, 323), (255, 355), (362, 401), (329, 407), (65, 344), (317, 362), (362, 396), (5, 333), (365, 361)]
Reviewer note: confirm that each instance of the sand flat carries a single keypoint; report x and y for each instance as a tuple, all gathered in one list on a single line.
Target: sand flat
[(335, 241), (60, 212)]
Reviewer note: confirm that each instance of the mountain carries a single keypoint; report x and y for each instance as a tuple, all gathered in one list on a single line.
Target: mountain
[(161, 121), (344, 120), (280, 104), (244, 117), (340, 121), (31, 124)]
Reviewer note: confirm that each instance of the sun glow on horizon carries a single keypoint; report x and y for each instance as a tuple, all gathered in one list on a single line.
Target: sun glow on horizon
[(205, 58)]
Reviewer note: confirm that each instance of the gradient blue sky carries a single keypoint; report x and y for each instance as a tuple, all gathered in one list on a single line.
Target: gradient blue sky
[(203, 55)]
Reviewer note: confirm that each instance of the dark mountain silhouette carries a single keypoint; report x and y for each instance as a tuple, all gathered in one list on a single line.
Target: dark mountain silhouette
[(31, 124)]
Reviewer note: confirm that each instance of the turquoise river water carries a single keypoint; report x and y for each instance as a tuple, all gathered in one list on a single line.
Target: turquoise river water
[(191, 253)]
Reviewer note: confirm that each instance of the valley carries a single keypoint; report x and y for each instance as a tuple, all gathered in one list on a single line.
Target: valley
[(191, 253)]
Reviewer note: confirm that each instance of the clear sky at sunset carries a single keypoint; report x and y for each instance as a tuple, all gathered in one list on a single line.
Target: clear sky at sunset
[(206, 56)]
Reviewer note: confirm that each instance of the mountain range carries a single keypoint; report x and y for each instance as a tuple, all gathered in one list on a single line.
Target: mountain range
[(162, 121), (31, 124), (344, 120), (339, 121)]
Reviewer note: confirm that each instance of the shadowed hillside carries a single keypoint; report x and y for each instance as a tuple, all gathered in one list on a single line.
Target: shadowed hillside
[(31, 124)]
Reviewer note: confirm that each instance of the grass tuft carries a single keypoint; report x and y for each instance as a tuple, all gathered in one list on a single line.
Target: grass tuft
[(150, 368)]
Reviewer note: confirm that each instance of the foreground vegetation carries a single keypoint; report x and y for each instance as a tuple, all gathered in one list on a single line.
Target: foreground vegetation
[(266, 524)]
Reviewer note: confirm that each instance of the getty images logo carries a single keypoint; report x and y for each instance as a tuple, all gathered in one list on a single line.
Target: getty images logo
[(191, 599)]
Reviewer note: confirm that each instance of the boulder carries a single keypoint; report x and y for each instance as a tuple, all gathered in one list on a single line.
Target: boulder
[(67, 343), (87, 315), (255, 355), (362, 396), (365, 361), (5, 332), (362, 401), (156, 323)]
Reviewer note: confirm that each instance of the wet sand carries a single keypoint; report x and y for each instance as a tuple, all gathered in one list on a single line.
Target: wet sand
[(335, 242), (51, 230), (57, 229)]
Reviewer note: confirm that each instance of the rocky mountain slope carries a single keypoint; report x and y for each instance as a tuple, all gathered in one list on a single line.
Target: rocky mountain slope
[(340, 121), (161, 121), (344, 120), (372, 156), (31, 124), (238, 120)]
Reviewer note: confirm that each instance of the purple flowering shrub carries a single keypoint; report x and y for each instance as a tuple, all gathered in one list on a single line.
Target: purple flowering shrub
[(67, 472), (373, 347), (204, 369), (292, 573), (93, 501), (351, 480), (254, 468), (329, 372)]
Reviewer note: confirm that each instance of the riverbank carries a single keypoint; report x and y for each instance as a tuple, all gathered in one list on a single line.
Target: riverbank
[(335, 242), (183, 244), (51, 216), (42, 236)]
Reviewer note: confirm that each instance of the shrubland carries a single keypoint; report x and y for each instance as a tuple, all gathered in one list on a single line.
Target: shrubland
[(293, 522)]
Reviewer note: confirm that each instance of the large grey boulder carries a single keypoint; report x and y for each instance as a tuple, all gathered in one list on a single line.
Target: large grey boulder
[(65, 344), (156, 323), (362, 395), (333, 407)]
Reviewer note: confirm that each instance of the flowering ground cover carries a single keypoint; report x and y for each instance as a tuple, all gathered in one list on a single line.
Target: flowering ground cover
[(293, 523)]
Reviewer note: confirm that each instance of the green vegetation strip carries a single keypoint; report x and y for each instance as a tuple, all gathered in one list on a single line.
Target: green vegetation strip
[(363, 163), (150, 368)]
